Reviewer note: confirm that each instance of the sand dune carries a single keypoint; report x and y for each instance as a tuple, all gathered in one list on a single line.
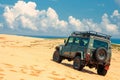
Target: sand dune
[(24, 58)]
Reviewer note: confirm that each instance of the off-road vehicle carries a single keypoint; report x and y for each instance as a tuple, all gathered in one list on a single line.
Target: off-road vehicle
[(92, 49)]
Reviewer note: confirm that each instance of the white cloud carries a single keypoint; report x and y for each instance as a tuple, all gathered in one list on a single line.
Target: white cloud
[(26, 22), (21, 12), (108, 26), (74, 22), (91, 26), (29, 17), (115, 16), (25, 16), (51, 19), (105, 19), (116, 13)]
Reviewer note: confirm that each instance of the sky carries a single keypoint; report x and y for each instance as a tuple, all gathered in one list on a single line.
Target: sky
[(59, 17)]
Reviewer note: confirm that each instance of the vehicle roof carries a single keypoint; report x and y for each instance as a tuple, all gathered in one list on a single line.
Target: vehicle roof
[(91, 33)]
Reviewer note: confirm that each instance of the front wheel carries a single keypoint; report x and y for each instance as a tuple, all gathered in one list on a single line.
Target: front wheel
[(77, 63), (57, 57), (101, 70)]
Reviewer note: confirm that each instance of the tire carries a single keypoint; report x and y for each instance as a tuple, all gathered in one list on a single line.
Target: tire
[(101, 54), (57, 57), (77, 63), (101, 70)]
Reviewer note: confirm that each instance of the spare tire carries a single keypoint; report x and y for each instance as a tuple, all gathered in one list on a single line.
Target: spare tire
[(101, 54)]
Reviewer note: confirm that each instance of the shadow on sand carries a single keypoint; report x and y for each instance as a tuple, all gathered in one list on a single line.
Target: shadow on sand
[(84, 70), (71, 66)]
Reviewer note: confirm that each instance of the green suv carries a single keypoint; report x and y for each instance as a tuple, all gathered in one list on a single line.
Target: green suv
[(90, 49)]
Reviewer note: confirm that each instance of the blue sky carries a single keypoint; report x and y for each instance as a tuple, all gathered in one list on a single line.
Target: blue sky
[(59, 17)]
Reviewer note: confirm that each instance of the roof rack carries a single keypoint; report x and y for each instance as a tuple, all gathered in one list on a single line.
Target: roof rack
[(93, 33)]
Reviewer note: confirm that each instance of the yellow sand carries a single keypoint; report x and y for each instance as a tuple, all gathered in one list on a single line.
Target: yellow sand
[(24, 58)]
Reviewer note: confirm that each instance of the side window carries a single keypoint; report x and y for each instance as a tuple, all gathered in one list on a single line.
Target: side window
[(70, 40), (100, 44), (77, 40), (84, 42)]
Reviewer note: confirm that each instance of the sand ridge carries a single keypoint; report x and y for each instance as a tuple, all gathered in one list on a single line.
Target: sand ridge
[(25, 58)]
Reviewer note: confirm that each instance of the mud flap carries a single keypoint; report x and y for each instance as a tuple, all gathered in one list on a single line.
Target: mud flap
[(106, 67)]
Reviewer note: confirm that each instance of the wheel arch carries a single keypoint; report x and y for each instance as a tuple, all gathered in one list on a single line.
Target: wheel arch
[(79, 54), (59, 49)]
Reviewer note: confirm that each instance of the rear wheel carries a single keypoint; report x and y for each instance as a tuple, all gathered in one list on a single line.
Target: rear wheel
[(77, 63), (101, 70), (57, 57)]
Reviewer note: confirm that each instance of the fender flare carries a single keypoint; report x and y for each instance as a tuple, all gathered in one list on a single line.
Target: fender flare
[(59, 49), (80, 53)]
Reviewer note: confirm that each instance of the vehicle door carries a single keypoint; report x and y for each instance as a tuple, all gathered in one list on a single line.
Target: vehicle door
[(75, 47), (67, 48), (80, 45), (83, 45)]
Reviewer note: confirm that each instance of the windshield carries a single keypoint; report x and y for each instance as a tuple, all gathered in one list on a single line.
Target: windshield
[(98, 44)]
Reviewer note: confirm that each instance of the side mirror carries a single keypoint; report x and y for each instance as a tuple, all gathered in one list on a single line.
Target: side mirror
[(65, 41)]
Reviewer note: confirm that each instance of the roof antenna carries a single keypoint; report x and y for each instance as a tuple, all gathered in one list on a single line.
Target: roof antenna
[(88, 28)]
